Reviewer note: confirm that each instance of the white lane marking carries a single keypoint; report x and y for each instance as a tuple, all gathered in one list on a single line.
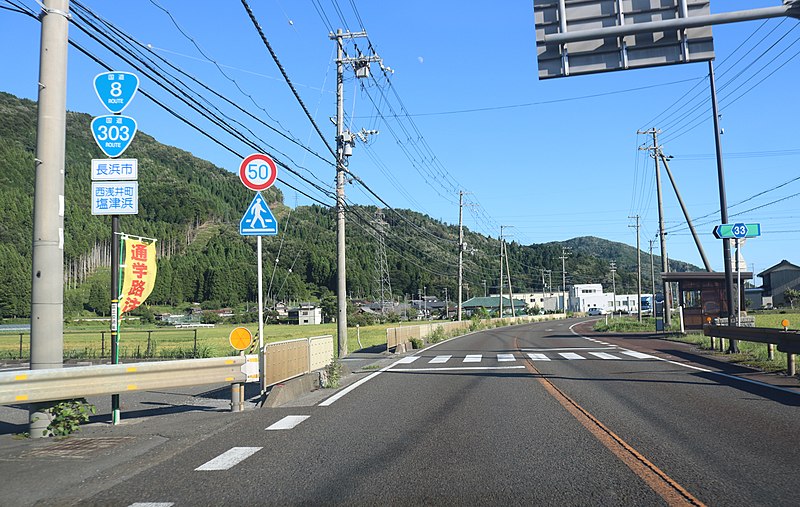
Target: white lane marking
[(288, 422), (603, 355), (538, 357), (603, 343), (570, 355), (439, 359), (506, 357), (458, 368), (229, 458), (548, 330), (152, 504), (473, 358), (407, 360), (569, 348), (691, 367), (637, 355)]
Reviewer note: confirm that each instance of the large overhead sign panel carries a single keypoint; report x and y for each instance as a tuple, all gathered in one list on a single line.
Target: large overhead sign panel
[(607, 52)]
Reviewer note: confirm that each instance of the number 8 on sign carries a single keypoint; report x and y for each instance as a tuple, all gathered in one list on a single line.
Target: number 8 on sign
[(258, 172)]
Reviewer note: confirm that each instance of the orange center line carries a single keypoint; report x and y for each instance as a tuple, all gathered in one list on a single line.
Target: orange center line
[(663, 485)]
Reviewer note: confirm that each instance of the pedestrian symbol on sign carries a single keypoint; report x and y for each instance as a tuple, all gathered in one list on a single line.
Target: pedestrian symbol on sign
[(258, 220)]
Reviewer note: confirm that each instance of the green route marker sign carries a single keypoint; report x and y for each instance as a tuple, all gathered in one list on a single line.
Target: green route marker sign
[(737, 231)]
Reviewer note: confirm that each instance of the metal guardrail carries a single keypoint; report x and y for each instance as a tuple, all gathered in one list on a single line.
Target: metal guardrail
[(787, 341), (64, 383)]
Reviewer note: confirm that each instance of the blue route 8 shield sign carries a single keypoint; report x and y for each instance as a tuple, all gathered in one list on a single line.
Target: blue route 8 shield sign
[(116, 89), (113, 133)]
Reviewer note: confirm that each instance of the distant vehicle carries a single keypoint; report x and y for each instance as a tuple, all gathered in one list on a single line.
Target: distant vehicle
[(596, 311)]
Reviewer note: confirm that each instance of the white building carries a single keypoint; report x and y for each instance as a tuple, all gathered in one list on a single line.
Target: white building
[(306, 314), (589, 295), (547, 301)]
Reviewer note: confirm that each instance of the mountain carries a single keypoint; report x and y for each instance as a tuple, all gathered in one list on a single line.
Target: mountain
[(193, 208)]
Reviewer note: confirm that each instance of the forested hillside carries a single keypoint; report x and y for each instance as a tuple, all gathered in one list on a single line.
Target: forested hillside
[(193, 208)]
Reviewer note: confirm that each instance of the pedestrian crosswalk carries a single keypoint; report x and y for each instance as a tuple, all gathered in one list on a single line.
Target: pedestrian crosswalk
[(548, 355)]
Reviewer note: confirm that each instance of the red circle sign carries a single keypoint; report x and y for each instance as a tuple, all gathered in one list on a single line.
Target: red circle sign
[(258, 172)]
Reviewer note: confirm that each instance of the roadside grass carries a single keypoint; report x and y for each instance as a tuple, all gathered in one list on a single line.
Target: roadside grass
[(750, 354), (92, 341)]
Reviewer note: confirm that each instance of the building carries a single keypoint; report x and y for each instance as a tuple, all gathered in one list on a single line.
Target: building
[(492, 305), (305, 315), (777, 279), (589, 295)]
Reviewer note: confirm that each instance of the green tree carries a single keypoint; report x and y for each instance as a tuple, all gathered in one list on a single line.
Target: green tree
[(791, 295)]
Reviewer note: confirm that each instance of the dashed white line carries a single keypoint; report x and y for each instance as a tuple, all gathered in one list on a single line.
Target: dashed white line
[(439, 359), (456, 368), (288, 422), (505, 357), (229, 458), (152, 504), (570, 355), (473, 358)]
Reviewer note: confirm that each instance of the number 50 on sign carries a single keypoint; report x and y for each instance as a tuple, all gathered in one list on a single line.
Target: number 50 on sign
[(258, 172)]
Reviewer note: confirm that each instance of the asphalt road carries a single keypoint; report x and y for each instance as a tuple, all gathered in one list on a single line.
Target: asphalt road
[(532, 414)]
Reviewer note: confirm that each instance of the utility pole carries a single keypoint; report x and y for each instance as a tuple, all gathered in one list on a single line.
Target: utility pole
[(638, 270), (485, 294), (344, 149), (47, 275), (501, 272), (661, 234), (614, 284), (723, 204), (564, 255), (652, 275), (510, 289), (460, 249)]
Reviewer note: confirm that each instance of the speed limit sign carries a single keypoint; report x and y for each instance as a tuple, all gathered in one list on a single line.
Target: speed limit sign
[(258, 172)]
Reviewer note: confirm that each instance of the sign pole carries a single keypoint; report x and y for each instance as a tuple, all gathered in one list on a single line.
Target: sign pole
[(115, 256), (261, 365), (738, 285)]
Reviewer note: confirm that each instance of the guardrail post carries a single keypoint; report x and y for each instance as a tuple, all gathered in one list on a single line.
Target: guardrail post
[(770, 351), (195, 344), (102, 343), (20, 346), (237, 397), (790, 365)]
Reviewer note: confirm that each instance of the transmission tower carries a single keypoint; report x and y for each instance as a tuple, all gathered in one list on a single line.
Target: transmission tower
[(383, 285)]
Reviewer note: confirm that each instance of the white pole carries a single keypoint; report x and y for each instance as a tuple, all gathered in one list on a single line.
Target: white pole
[(738, 286), (261, 372)]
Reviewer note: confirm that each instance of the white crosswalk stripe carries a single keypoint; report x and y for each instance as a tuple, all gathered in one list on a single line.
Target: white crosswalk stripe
[(473, 358), (571, 355), (538, 357), (603, 355), (229, 458), (408, 360), (439, 359), (637, 355), (506, 357)]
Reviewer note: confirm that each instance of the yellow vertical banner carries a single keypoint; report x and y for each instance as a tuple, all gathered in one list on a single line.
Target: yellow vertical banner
[(138, 272)]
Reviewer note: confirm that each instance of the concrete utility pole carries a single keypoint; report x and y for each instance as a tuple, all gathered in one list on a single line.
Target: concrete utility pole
[(638, 270), (510, 289), (47, 275), (501, 272), (723, 205), (564, 255), (661, 234), (652, 274), (614, 283), (344, 149), (460, 249)]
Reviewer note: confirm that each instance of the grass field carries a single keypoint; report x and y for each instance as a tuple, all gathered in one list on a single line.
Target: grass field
[(93, 341)]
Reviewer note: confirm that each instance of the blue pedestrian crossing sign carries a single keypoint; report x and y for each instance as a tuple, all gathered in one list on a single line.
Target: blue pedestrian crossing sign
[(258, 220), (116, 89)]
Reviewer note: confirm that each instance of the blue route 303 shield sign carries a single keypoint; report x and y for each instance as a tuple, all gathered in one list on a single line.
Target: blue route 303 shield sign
[(258, 220), (113, 133), (116, 89)]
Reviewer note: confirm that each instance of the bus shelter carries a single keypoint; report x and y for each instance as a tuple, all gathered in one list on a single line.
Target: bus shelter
[(702, 295)]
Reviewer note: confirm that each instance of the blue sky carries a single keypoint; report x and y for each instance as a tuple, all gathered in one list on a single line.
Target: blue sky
[(551, 159)]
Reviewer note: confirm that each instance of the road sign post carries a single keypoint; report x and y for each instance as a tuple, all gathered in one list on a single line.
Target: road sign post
[(258, 172), (115, 186), (739, 232)]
